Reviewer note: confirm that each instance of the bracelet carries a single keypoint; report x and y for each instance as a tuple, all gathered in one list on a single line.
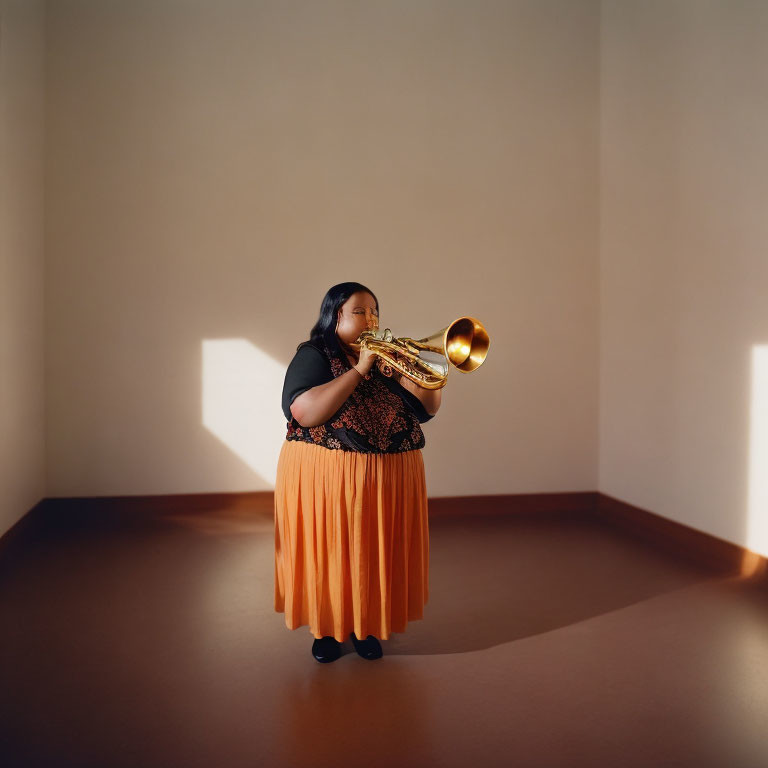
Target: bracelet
[(354, 368)]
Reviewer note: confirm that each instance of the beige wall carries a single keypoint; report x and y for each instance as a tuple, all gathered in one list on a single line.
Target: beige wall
[(22, 396), (684, 266), (214, 167)]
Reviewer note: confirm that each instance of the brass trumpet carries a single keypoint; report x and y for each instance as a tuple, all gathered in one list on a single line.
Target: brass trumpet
[(463, 344)]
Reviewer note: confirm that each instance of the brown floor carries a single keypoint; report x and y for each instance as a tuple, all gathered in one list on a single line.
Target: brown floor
[(152, 641)]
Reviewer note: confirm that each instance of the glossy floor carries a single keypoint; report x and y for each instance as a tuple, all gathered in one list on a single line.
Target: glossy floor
[(152, 641)]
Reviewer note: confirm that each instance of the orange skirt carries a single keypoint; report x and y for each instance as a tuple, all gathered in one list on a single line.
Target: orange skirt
[(351, 540)]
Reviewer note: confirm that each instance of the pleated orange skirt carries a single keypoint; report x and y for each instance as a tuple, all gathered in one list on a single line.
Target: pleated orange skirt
[(351, 540)]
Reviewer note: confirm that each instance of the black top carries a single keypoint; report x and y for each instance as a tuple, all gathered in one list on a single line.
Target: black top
[(380, 416), (309, 368)]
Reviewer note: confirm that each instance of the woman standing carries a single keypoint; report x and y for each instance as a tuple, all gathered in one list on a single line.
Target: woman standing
[(351, 528)]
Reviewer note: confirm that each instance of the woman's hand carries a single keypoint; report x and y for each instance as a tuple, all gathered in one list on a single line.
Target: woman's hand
[(366, 361), (430, 398)]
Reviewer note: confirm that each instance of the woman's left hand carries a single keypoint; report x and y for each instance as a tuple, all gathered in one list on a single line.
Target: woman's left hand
[(430, 398)]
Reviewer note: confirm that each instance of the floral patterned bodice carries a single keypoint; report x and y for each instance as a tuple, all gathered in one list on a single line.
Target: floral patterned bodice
[(380, 416)]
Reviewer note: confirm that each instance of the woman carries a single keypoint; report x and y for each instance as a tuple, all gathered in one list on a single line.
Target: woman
[(351, 533)]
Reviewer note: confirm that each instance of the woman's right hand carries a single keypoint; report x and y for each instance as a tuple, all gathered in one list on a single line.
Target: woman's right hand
[(366, 361)]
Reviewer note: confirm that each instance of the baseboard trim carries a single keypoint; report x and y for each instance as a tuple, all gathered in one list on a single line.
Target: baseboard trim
[(682, 540), (556, 505), (175, 503)]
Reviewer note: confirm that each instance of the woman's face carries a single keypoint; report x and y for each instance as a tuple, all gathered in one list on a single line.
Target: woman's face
[(357, 314)]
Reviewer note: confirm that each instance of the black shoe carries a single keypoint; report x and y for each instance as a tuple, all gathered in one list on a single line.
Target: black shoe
[(370, 648), (326, 649)]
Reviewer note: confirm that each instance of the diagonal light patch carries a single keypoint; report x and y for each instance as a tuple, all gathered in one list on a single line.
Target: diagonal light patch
[(757, 514), (242, 390)]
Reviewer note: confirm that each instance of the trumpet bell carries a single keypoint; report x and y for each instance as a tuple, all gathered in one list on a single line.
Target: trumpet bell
[(466, 343)]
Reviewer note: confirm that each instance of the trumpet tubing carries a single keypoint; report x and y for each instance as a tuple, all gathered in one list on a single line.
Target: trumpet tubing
[(463, 344)]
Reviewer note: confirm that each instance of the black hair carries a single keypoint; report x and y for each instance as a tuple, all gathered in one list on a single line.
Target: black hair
[(323, 332)]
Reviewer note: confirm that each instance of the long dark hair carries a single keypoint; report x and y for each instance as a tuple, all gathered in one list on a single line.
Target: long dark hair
[(323, 332)]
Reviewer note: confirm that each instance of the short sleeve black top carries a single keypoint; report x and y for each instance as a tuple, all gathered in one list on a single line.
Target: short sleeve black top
[(380, 416)]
